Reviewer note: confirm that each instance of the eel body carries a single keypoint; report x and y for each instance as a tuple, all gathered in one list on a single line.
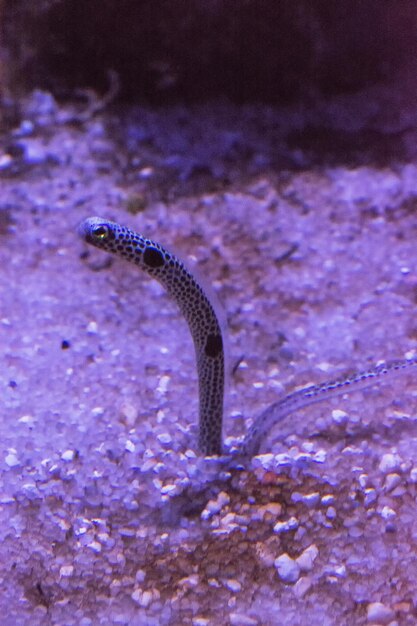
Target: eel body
[(195, 307)]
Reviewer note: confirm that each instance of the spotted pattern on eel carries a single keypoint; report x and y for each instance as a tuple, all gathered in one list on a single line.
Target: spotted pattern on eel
[(194, 305), (207, 337)]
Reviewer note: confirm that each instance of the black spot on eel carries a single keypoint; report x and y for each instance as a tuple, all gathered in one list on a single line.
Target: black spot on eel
[(207, 337)]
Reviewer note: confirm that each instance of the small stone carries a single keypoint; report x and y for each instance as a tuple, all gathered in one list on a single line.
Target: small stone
[(200, 621), (288, 569), (388, 514), (307, 558), (392, 481), (26, 419), (146, 172), (169, 490), (378, 613), (11, 460), (68, 455), (143, 598), (130, 446), (238, 619), (34, 152), (95, 546), (140, 576), (363, 480), (129, 413), (189, 581), (233, 585), (215, 506), (327, 499), (66, 570), (92, 328), (302, 586), (164, 438), (283, 527), (340, 571), (7, 500), (309, 499), (5, 161), (389, 462), (163, 384), (320, 456), (331, 513), (339, 416), (271, 510), (265, 461), (282, 460), (370, 496)]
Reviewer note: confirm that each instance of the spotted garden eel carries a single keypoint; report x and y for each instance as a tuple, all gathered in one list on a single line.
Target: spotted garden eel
[(207, 337)]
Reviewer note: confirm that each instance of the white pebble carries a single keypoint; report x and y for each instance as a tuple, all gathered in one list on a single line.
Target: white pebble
[(388, 513), (30, 489), (146, 172), (331, 512), (339, 416), (26, 419), (289, 524), (302, 586), (273, 509), (363, 480), (130, 413), (143, 598), (163, 384), (7, 499), (5, 161), (320, 456), (92, 328), (233, 585), (389, 462), (266, 461), (378, 613), (392, 481), (97, 411), (140, 575), (130, 446), (370, 496), (66, 570), (215, 506), (307, 558), (164, 438), (340, 571), (168, 489), (309, 499), (189, 581), (288, 569), (282, 460), (68, 455), (327, 499), (238, 619), (11, 460), (95, 546)]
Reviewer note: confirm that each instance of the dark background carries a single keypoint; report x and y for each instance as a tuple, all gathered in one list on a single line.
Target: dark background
[(276, 51)]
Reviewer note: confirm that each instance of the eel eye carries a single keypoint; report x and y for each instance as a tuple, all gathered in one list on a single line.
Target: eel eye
[(101, 232)]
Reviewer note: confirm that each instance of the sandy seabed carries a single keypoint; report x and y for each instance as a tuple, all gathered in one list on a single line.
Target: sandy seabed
[(107, 513)]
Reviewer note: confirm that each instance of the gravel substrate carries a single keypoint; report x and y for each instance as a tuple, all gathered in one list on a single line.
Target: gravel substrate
[(108, 515)]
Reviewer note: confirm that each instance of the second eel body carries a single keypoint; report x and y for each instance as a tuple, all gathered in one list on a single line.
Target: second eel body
[(207, 337)]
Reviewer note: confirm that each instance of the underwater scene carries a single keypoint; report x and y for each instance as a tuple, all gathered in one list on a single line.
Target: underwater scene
[(208, 336)]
